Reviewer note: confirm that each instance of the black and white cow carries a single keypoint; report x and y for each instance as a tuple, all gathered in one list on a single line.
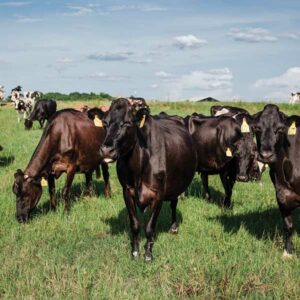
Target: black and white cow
[(295, 98), (24, 102), (2, 93)]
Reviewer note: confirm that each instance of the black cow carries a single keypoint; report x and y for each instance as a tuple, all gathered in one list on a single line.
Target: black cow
[(70, 143), (278, 142), (224, 146), (156, 161), (226, 110), (42, 111)]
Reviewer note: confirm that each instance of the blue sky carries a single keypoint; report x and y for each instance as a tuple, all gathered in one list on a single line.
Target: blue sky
[(164, 50)]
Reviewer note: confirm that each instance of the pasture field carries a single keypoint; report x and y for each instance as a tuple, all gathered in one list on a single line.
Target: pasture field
[(217, 254)]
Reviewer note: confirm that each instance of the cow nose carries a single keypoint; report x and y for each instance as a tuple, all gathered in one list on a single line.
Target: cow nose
[(266, 154), (242, 178), (108, 153)]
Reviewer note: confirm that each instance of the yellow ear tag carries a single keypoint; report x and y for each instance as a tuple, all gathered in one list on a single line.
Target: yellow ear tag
[(98, 122), (44, 182), (143, 121), (245, 127), (228, 152), (292, 129)]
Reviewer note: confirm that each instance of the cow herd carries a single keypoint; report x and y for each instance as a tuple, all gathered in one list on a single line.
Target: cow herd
[(157, 157)]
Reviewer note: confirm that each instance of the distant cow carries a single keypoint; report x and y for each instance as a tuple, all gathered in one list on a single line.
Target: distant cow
[(70, 143), (2, 93), (24, 102), (156, 161), (226, 110), (278, 142), (224, 146), (295, 98), (42, 111)]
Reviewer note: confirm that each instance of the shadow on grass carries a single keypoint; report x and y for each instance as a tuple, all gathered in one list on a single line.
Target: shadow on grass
[(6, 161), (120, 224), (195, 189), (261, 224), (78, 191)]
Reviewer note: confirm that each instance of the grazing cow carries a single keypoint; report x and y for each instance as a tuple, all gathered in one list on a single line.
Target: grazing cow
[(278, 142), (295, 98), (225, 110), (70, 143), (156, 161), (42, 111), (224, 146)]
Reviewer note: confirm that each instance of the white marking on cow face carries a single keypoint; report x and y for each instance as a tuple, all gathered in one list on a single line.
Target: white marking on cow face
[(108, 160), (221, 112)]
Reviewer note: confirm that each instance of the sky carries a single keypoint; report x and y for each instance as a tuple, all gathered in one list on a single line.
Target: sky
[(165, 50)]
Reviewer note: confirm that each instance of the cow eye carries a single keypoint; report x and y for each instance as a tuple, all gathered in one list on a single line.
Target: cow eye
[(257, 128), (279, 129)]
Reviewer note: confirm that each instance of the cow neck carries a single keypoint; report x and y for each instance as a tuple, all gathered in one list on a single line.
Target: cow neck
[(40, 158), (140, 148)]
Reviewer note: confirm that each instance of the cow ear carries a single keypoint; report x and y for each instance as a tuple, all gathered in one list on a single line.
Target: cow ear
[(292, 122), (141, 115)]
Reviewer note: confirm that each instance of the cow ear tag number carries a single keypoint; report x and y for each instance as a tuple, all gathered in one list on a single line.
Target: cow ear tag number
[(228, 152), (98, 122), (245, 127), (292, 129), (44, 182), (143, 121)]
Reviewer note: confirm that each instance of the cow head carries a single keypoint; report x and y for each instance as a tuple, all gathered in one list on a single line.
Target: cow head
[(121, 123), (245, 152), (28, 191), (271, 127), (28, 124)]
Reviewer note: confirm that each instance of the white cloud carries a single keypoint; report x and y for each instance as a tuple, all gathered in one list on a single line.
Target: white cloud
[(144, 8), (15, 3), (163, 74), (291, 36), (106, 77), (280, 86), (189, 41), (65, 60), (252, 35), (199, 84), (154, 85), (78, 11)]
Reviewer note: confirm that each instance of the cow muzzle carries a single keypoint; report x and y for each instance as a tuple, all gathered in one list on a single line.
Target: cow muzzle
[(109, 154), (242, 178), (266, 156)]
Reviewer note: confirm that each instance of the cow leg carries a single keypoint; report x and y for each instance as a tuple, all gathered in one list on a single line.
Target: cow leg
[(51, 189), (107, 189), (228, 183), (18, 114), (67, 187), (206, 192), (88, 183), (288, 231), (134, 221), (174, 225), (150, 228)]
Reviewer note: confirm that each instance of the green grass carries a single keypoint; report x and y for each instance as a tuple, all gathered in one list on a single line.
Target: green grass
[(218, 254)]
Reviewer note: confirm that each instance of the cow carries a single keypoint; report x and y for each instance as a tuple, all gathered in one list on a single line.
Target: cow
[(70, 143), (224, 146), (156, 161), (24, 102), (226, 110), (2, 93), (42, 111), (295, 98), (278, 140)]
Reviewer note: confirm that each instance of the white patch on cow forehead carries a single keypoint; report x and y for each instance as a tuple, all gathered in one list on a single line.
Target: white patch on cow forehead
[(108, 160), (222, 112), (260, 166)]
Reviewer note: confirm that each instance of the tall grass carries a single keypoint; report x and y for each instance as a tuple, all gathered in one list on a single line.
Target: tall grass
[(218, 254)]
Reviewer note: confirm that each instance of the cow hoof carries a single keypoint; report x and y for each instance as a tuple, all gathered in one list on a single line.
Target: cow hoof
[(287, 255), (174, 229), (135, 254), (148, 257)]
